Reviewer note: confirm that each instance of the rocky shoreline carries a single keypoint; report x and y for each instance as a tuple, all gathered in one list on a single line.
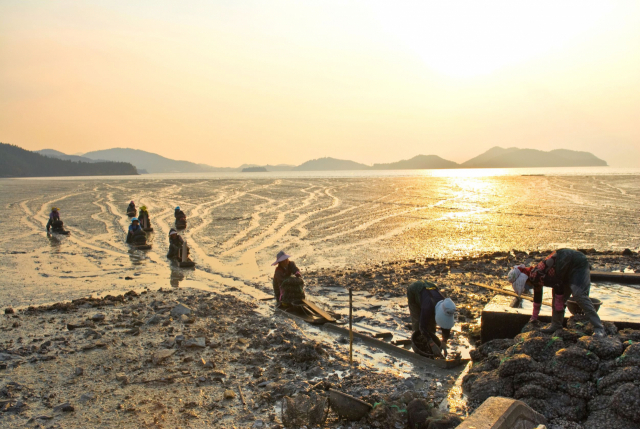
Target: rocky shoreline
[(178, 358)]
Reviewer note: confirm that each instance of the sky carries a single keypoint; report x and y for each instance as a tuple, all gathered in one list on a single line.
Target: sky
[(281, 82)]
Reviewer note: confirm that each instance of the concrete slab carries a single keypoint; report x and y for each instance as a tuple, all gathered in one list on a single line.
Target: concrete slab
[(499, 320), (503, 413)]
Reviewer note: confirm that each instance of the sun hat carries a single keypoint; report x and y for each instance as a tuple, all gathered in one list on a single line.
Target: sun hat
[(280, 257), (178, 208), (445, 310), (172, 231), (54, 209), (143, 208), (134, 219)]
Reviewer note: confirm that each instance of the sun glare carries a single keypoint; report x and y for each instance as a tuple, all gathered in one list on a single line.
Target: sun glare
[(466, 39)]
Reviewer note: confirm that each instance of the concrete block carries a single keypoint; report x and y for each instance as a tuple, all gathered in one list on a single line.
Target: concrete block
[(503, 413)]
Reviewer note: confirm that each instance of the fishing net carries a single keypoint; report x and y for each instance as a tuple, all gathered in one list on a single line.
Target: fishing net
[(537, 378), (566, 372), (585, 390), (631, 355), (490, 347), (569, 336), (608, 419), (629, 334), (531, 391), (482, 386)]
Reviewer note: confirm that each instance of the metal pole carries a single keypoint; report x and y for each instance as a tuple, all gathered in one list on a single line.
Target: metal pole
[(350, 326)]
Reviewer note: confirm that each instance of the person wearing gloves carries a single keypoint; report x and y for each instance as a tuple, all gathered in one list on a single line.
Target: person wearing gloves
[(284, 270), (568, 273), (428, 308)]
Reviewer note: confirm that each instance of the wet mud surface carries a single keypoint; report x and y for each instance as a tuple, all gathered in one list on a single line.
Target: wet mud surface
[(180, 358)]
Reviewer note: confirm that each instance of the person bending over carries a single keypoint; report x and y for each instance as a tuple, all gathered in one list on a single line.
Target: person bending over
[(428, 308)]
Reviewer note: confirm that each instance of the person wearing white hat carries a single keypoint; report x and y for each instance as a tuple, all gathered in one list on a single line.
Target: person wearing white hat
[(175, 244), (285, 269), (428, 308), (568, 273)]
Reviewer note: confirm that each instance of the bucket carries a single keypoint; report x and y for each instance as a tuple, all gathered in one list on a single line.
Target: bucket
[(575, 309)]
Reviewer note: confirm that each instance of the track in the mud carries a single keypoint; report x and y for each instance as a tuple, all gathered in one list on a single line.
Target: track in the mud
[(237, 226)]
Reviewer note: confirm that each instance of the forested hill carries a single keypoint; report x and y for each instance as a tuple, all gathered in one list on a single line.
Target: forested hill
[(18, 162)]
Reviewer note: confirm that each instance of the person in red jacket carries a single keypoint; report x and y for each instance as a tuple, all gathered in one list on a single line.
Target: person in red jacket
[(568, 273)]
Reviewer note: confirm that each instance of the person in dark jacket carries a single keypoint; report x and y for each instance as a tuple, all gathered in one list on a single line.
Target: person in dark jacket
[(285, 269), (428, 307), (179, 213), (53, 216), (134, 229), (567, 272), (175, 244), (131, 208), (143, 216)]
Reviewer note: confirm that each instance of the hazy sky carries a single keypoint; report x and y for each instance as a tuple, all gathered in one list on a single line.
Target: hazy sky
[(231, 82)]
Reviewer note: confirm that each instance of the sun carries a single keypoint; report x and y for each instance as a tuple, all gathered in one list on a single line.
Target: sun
[(466, 39)]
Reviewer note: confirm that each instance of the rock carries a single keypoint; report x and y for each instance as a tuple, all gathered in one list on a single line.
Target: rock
[(179, 310), (8, 310), (79, 371), (161, 355), (627, 252), (206, 363), (66, 407), (195, 342), (258, 424), (154, 320), (229, 394), (180, 339), (87, 397), (122, 378), (316, 371), (98, 317), (133, 331)]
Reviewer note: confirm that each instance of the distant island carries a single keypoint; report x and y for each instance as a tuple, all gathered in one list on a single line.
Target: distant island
[(18, 162), (496, 157)]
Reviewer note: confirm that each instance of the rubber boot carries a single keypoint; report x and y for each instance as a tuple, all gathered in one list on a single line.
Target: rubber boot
[(557, 317)]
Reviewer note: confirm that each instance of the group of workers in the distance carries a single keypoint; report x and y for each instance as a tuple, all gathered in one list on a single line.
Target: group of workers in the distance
[(566, 271)]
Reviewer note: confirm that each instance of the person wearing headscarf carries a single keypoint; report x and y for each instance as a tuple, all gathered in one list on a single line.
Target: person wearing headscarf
[(175, 244), (285, 269), (134, 229), (179, 213), (53, 216), (143, 216), (428, 308), (131, 207), (568, 273)]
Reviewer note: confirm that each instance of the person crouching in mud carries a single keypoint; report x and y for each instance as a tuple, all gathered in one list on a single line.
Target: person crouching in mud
[(568, 273), (134, 229), (429, 307), (53, 216), (175, 244), (284, 270)]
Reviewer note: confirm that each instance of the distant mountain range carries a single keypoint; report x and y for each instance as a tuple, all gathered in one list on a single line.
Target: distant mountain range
[(496, 157), (18, 162)]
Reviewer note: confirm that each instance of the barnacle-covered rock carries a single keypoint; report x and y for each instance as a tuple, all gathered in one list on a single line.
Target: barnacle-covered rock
[(569, 336), (537, 378), (540, 348), (578, 357), (521, 338), (564, 424), (625, 401), (490, 347), (598, 403), (608, 419), (577, 389), (608, 384), (487, 384), (629, 334), (603, 347), (489, 363), (531, 391), (630, 357), (558, 406), (605, 368), (517, 364), (566, 372), (580, 323)]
